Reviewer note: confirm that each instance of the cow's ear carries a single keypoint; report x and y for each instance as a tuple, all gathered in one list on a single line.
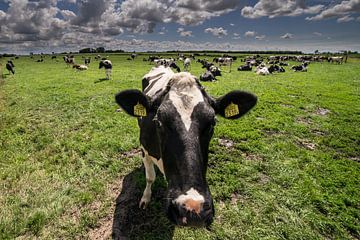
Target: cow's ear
[(234, 104), (134, 102)]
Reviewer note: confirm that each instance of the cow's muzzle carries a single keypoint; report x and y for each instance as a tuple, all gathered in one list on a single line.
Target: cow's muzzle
[(191, 214)]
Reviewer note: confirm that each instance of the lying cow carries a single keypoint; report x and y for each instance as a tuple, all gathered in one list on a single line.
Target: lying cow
[(300, 68), (80, 67), (207, 77), (177, 118), (246, 67)]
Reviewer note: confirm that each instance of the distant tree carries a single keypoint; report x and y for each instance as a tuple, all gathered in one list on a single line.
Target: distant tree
[(316, 52), (100, 50)]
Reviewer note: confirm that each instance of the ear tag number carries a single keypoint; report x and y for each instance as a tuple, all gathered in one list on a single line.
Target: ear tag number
[(139, 110), (231, 110)]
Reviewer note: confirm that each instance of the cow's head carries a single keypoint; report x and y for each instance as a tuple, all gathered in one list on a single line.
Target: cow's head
[(184, 118)]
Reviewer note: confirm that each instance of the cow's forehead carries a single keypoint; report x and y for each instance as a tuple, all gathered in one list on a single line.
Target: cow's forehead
[(185, 95)]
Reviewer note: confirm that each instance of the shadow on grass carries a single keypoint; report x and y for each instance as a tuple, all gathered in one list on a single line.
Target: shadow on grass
[(131, 222), (101, 80)]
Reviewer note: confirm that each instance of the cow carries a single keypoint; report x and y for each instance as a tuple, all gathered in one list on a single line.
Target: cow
[(246, 67), (69, 60), (108, 67), (53, 57), (80, 67), (338, 60), (262, 70), (187, 64), (10, 67), (177, 118), (224, 61), (87, 61), (276, 68), (207, 77), (133, 56), (300, 68), (168, 62)]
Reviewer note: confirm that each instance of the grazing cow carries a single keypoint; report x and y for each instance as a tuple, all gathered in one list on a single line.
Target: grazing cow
[(224, 61), (69, 60), (40, 60), (108, 67), (80, 67), (53, 57), (10, 67), (246, 67), (176, 118), (133, 56), (300, 68), (187, 64), (338, 60)]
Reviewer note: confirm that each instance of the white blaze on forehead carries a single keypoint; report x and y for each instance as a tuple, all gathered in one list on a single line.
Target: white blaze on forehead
[(160, 76), (185, 95), (192, 194)]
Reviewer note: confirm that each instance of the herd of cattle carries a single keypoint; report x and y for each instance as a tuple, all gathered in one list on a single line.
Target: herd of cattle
[(259, 64)]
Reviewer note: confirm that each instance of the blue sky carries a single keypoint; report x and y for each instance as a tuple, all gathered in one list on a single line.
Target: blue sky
[(146, 25)]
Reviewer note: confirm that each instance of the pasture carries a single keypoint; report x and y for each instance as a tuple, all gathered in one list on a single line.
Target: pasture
[(70, 166)]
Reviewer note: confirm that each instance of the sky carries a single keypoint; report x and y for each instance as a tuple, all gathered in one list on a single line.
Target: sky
[(162, 25)]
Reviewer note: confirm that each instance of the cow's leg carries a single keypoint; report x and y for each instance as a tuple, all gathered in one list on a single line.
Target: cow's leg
[(150, 178)]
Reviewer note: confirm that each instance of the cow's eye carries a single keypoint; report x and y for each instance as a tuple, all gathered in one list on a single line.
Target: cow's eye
[(158, 124)]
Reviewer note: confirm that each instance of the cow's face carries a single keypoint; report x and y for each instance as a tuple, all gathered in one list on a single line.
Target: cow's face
[(184, 118)]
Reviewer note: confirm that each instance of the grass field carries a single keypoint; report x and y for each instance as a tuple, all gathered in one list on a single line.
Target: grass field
[(69, 162)]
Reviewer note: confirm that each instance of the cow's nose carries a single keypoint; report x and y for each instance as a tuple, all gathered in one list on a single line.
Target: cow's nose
[(193, 206)]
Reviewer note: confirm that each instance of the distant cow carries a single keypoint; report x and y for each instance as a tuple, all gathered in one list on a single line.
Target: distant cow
[(246, 67), (207, 77), (300, 68), (338, 60), (80, 67), (69, 60), (224, 61), (133, 56), (177, 118), (10, 67), (87, 61), (187, 64), (108, 67), (262, 70)]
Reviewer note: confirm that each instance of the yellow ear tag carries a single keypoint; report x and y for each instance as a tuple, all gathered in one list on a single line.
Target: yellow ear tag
[(139, 110), (231, 110)]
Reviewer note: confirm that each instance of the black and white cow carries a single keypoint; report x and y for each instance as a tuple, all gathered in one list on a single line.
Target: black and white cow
[(108, 67), (300, 68), (187, 64), (207, 77), (87, 61), (246, 67), (10, 67), (177, 118)]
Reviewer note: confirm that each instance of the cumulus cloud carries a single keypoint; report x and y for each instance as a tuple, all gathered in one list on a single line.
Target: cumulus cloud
[(217, 32), (250, 34), (287, 36), (345, 19), (184, 33), (317, 34), (341, 11), (277, 8)]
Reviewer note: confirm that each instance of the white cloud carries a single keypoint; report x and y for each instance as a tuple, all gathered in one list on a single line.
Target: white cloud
[(287, 36), (184, 33), (218, 32), (341, 10), (231, 24), (277, 8), (260, 37), (345, 19), (317, 34), (250, 34)]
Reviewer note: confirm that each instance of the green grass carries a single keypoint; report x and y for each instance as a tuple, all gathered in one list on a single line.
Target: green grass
[(291, 174)]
